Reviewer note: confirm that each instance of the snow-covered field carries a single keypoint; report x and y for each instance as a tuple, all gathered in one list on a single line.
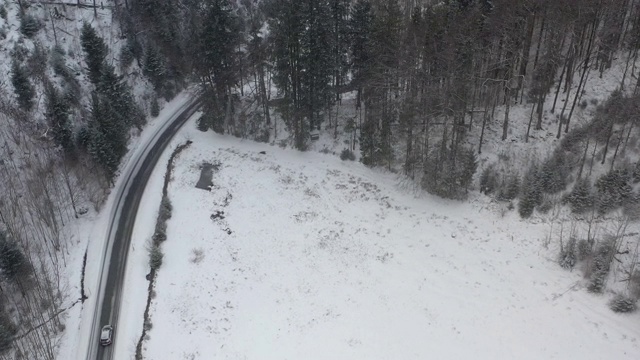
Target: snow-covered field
[(301, 256)]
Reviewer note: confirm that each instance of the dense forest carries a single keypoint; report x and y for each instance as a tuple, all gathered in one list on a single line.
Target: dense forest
[(427, 79), (426, 75)]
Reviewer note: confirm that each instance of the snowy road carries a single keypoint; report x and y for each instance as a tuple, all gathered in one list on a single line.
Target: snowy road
[(122, 219)]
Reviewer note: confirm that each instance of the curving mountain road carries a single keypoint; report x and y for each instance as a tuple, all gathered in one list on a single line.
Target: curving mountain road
[(123, 215)]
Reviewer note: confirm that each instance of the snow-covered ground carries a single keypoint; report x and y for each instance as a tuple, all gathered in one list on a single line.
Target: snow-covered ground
[(301, 256)]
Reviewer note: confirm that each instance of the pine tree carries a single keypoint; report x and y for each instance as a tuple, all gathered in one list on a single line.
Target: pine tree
[(581, 197), (614, 190), (155, 107), (57, 114), (22, 86), (163, 19), (340, 42), (449, 174), (316, 61), (128, 52), (489, 180), (95, 52), (113, 87), (369, 143), (382, 85), (531, 193), (305, 52), (107, 135), (154, 67), (361, 51), (29, 25), (257, 57), (287, 25), (114, 111), (360, 29), (216, 60), (554, 173), (510, 188), (467, 165)]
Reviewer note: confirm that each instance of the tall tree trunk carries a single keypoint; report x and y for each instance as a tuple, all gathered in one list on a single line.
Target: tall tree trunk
[(593, 157), (584, 158), (526, 52), (263, 94), (526, 137), (540, 36), (626, 69), (606, 146), (505, 123), (485, 117), (615, 153), (555, 99), (540, 111), (585, 71)]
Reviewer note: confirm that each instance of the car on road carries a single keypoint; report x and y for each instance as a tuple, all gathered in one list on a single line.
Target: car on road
[(106, 335)]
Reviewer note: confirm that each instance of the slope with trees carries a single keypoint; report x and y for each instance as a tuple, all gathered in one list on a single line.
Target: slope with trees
[(435, 90)]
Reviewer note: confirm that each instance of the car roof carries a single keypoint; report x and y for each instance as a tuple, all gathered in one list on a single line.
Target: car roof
[(105, 331)]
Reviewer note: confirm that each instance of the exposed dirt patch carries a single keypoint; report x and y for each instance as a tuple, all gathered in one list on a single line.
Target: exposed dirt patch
[(206, 176)]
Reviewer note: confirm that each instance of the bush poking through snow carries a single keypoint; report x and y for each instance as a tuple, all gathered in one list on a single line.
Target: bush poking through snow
[(554, 173), (530, 193), (129, 52), (165, 209), (14, 265), (29, 25), (568, 256), (197, 255), (489, 180), (614, 190), (154, 67), (584, 250), (600, 267), (449, 173), (201, 124), (37, 63), (155, 107), (545, 206), (22, 86), (581, 197), (510, 188), (164, 214), (155, 257), (160, 235), (623, 304), (347, 154), (58, 63)]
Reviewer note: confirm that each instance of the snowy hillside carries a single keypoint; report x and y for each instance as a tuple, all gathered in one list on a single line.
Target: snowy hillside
[(294, 254), (298, 255)]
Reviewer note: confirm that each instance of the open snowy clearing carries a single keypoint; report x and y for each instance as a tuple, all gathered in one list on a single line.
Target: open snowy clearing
[(300, 256)]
